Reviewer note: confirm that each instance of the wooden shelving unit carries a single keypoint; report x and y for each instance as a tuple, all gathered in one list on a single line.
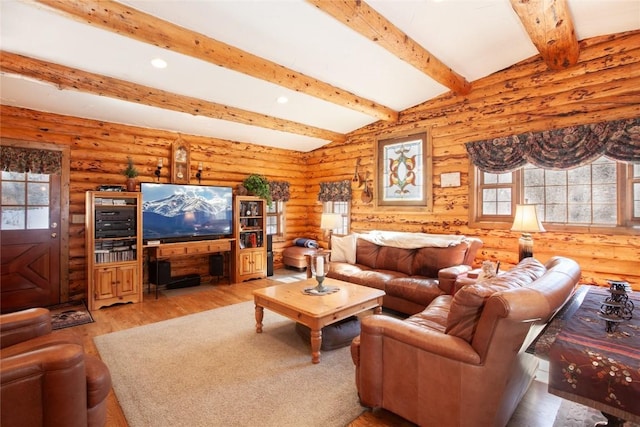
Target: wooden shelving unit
[(250, 216), (113, 229)]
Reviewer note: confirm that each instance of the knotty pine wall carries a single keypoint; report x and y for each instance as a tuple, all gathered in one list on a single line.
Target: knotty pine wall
[(605, 85), (99, 153)]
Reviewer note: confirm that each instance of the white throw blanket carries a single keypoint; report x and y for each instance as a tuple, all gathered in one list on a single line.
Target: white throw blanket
[(407, 240)]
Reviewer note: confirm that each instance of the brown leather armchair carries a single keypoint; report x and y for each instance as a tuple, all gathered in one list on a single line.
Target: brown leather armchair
[(46, 378), (462, 361)]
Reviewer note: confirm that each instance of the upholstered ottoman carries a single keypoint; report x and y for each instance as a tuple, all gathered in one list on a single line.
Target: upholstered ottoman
[(336, 335), (294, 256)]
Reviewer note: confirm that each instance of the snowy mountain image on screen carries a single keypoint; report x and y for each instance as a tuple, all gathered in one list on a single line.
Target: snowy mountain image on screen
[(186, 213)]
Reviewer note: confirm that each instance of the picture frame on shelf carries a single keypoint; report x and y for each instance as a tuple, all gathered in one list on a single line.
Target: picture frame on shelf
[(180, 169)]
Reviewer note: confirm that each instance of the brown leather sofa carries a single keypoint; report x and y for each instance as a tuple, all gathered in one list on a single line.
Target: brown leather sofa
[(411, 278), (46, 378), (462, 361)]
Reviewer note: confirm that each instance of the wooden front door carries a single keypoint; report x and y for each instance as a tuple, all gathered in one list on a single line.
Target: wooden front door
[(30, 240)]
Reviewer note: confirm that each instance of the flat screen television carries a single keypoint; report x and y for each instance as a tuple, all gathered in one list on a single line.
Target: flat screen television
[(183, 212)]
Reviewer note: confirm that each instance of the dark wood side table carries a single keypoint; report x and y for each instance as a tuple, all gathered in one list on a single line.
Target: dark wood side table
[(596, 368)]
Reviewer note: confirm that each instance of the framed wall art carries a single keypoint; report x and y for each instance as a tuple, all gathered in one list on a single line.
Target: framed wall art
[(180, 162), (404, 171)]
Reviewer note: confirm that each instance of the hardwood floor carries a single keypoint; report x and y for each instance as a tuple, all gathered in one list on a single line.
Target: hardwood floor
[(537, 409)]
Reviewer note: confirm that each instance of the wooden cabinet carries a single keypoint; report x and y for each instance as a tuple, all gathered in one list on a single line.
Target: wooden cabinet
[(113, 230), (250, 237)]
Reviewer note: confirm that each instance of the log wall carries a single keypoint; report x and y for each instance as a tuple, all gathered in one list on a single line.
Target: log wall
[(605, 85), (99, 152)]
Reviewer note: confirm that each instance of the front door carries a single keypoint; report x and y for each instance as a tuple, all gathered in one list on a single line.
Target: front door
[(30, 240)]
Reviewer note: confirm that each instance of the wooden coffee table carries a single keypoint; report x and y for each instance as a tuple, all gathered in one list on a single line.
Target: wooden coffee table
[(316, 311)]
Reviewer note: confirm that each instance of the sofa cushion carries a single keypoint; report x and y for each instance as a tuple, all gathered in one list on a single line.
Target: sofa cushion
[(468, 302), (435, 315), (343, 248), (396, 259), (417, 289), (366, 253), (428, 261), (375, 278)]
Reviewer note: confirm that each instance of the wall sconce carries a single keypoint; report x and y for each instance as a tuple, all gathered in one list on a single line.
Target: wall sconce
[(158, 169), (199, 174), (329, 222), (526, 221)]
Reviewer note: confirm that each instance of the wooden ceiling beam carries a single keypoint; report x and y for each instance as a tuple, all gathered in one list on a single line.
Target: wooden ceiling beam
[(82, 81), (130, 22), (363, 19), (550, 28)]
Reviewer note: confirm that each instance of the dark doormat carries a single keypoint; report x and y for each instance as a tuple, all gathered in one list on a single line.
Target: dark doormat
[(69, 314)]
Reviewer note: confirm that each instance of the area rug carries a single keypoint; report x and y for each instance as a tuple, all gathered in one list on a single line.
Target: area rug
[(69, 314), (213, 369)]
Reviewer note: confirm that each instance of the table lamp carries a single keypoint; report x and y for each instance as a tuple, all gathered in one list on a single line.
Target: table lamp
[(329, 222), (526, 221)]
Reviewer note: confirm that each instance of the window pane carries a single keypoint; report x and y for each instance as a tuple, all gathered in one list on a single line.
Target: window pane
[(556, 194), (13, 176), (555, 213), (555, 178), (504, 208), (13, 218), (580, 214), (505, 178), (38, 218), (604, 214), (489, 178), (490, 195), (38, 194), (13, 193), (37, 177), (534, 177)]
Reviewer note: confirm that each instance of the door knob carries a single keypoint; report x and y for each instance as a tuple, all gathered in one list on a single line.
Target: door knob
[(54, 225), (54, 235)]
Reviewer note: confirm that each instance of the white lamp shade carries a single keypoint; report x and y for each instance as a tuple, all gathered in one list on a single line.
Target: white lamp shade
[(526, 220), (330, 221)]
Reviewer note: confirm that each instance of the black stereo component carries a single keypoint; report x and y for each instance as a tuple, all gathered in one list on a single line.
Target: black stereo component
[(216, 265), (128, 215)]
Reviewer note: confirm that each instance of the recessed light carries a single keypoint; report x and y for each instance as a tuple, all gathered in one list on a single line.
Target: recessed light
[(283, 100), (159, 63)]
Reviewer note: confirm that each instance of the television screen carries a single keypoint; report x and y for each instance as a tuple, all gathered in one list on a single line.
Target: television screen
[(181, 212)]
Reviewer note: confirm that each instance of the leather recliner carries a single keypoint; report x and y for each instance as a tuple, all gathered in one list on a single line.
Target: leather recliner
[(46, 378), (462, 361)]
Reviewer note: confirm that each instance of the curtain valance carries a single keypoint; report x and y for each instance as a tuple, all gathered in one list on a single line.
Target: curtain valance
[(335, 191), (279, 191), (558, 149), (20, 159)]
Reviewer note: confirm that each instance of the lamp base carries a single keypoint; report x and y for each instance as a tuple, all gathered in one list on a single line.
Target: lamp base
[(525, 248)]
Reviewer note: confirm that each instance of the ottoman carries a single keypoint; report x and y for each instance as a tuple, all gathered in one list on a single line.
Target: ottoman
[(294, 256), (334, 336)]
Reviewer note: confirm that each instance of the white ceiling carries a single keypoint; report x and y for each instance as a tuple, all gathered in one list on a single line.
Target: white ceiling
[(473, 37)]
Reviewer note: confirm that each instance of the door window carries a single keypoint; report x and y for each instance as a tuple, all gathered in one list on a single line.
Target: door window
[(24, 201)]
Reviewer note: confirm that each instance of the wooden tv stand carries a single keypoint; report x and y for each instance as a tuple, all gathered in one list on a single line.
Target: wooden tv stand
[(198, 247)]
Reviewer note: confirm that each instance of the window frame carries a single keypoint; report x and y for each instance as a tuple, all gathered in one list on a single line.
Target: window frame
[(627, 224), (330, 207), (280, 215)]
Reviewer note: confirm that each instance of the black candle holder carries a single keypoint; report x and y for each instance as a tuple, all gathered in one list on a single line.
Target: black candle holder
[(616, 307)]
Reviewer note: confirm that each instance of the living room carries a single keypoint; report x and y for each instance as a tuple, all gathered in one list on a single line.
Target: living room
[(525, 97)]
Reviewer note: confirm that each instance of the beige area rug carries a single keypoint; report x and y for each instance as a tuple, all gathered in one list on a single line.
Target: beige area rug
[(213, 369), (573, 414)]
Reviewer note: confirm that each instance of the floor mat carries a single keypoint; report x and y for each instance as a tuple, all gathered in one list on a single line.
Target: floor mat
[(69, 314)]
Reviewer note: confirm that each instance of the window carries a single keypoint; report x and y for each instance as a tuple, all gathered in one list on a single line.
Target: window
[(339, 208), (275, 219), (25, 201), (592, 195)]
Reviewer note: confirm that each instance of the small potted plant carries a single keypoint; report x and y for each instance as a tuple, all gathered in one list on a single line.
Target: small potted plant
[(131, 173), (258, 185)]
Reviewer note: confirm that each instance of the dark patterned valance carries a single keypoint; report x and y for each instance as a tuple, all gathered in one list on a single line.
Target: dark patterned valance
[(559, 148), (18, 159), (337, 191), (279, 191)]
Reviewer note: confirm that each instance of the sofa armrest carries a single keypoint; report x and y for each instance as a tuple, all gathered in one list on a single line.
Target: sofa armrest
[(24, 325), (44, 385), (447, 277)]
